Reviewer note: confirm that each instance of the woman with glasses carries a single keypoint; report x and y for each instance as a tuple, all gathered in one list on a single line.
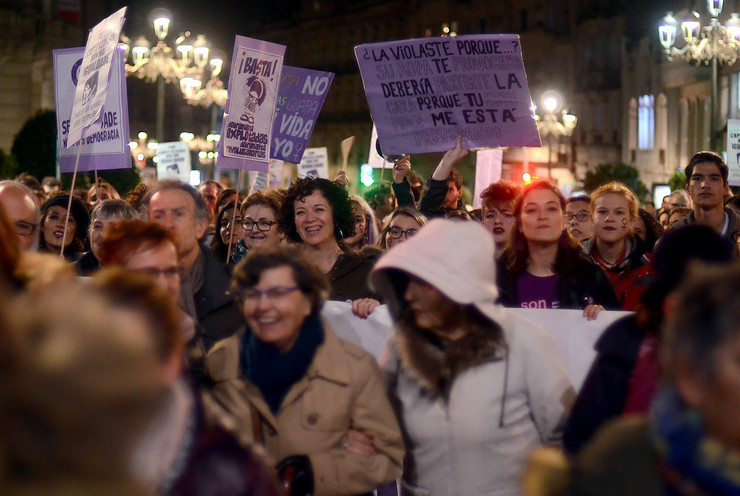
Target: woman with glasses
[(317, 404), (317, 214), (229, 230), (259, 219), (542, 266), (578, 215), (403, 223)]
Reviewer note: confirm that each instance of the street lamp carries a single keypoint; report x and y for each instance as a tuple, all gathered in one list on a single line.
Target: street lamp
[(143, 149), (189, 61), (555, 122), (715, 43)]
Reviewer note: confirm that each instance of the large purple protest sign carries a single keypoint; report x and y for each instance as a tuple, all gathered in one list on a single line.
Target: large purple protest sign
[(105, 141), (301, 95), (424, 93), (250, 105)]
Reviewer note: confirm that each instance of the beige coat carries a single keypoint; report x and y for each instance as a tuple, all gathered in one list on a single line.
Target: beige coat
[(341, 390)]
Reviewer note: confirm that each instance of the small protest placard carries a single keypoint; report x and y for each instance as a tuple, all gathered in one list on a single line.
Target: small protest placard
[(92, 90), (173, 161), (315, 163), (302, 93), (487, 171), (733, 151), (250, 105), (425, 92), (106, 147), (276, 176)]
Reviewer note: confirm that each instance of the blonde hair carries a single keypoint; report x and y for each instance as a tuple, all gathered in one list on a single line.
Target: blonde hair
[(616, 188)]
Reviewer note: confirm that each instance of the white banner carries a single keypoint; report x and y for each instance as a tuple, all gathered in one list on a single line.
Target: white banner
[(91, 93), (574, 336)]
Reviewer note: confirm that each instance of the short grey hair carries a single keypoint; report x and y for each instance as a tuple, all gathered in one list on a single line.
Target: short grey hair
[(201, 209), (120, 209)]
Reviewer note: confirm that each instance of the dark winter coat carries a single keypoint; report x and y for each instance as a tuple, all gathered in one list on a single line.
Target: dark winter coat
[(585, 283)]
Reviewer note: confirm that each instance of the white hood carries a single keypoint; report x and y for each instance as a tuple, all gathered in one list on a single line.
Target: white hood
[(456, 257)]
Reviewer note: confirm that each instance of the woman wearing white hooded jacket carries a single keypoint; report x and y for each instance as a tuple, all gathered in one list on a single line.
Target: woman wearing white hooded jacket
[(476, 387)]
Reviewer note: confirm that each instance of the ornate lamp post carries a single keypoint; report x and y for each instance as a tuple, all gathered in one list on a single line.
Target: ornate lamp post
[(714, 43), (555, 122), (188, 61)]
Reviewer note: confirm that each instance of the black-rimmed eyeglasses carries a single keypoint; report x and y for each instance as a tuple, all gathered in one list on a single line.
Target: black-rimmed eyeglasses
[(581, 216), (262, 224), (396, 232)]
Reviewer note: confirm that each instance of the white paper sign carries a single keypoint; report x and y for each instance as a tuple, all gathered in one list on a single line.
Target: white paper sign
[(487, 171), (173, 161), (315, 163), (92, 91), (276, 176), (374, 159), (733, 151)]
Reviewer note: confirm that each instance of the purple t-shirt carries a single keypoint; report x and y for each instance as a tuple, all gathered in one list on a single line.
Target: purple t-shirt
[(538, 292)]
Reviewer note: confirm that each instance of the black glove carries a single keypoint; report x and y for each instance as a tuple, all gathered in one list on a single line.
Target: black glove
[(296, 475)]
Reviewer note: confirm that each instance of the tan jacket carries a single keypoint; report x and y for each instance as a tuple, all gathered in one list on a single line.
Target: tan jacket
[(341, 390)]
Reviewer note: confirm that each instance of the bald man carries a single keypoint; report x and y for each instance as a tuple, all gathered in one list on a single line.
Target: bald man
[(23, 211)]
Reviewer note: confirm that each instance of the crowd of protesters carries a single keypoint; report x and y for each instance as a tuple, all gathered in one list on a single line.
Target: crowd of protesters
[(173, 343)]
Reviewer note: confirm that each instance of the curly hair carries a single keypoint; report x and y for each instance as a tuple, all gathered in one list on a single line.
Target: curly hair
[(336, 195)]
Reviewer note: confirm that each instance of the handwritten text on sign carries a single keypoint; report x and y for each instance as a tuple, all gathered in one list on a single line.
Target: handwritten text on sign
[(301, 95), (423, 93)]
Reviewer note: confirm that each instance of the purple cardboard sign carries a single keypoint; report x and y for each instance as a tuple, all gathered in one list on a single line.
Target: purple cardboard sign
[(250, 105), (301, 95), (106, 141), (425, 92)]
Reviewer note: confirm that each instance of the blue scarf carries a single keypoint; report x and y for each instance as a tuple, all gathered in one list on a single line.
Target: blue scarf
[(273, 372), (696, 462)]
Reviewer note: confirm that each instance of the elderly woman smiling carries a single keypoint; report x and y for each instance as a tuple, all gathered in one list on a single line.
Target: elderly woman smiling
[(316, 403)]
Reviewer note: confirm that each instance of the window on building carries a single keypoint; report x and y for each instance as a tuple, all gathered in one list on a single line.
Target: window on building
[(646, 122)]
